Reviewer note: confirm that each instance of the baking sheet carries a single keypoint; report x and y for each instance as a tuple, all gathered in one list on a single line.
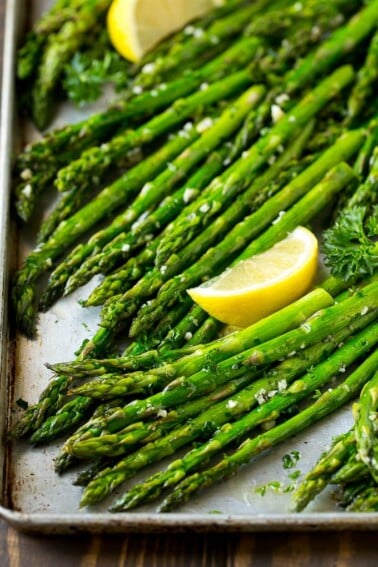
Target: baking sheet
[(33, 497)]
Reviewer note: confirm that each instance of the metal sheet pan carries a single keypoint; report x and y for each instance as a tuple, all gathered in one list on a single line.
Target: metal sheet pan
[(33, 498)]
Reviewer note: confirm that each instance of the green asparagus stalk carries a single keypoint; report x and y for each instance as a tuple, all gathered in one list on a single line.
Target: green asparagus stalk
[(94, 163), (63, 461), (72, 201), (124, 277), (221, 29), (328, 402), (180, 334), (69, 415), (366, 500), (121, 308), (341, 42), (314, 330), (140, 432), (32, 182), (117, 249), (186, 330), (366, 428), (209, 135), (138, 103), (362, 164), (351, 471), (29, 53), (216, 258), (280, 21), (167, 45), (110, 386), (367, 192), (126, 242), (210, 329), (324, 470), (41, 259), (283, 320), (98, 128), (367, 78), (286, 166), (50, 399), (178, 321), (113, 282), (348, 493), (242, 172), (143, 432), (59, 48), (53, 424), (286, 392)]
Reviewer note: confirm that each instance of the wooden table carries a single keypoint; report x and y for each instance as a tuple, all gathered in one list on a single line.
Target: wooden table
[(174, 550)]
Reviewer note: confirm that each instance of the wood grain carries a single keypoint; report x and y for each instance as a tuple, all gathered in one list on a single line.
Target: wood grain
[(341, 549)]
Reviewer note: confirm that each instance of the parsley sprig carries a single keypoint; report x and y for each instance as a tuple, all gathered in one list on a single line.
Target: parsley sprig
[(86, 76), (350, 245)]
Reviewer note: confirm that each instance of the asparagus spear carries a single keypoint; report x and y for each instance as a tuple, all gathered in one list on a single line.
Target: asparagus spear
[(242, 172), (285, 319), (113, 282), (341, 42), (72, 201), (172, 332), (366, 500), (362, 164), (209, 135), (320, 475), (282, 396), (119, 249), (41, 259), (210, 329), (366, 79), (141, 432), (241, 237), (328, 402), (59, 48), (69, 415), (279, 397), (134, 103), (108, 387), (348, 493), (276, 23), (125, 243), (180, 333), (121, 308), (191, 326), (94, 163), (185, 35), (29, 53), (351, 471), (365, 429), (201, 42), (122, 278), (289, 317), (53, 396), (272, 350), (52, 151), (50, 399)]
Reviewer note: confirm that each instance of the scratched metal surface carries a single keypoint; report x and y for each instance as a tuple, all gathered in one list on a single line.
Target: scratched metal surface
[(34, 498)]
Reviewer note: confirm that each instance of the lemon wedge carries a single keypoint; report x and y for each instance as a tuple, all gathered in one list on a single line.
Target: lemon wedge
[(258, 286), (135, 26)]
